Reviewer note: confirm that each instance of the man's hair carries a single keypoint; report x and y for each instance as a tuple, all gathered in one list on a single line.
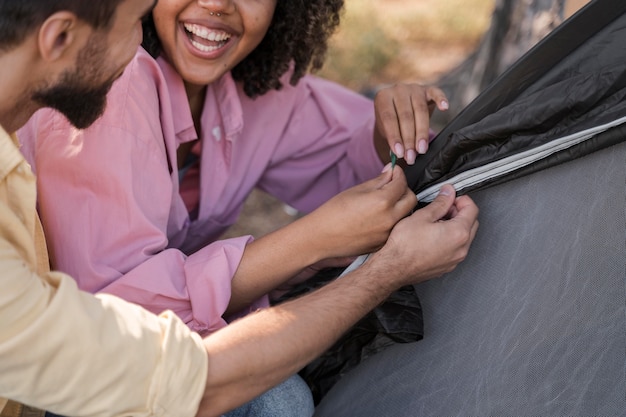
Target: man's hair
[(19, 17), (298, 35)]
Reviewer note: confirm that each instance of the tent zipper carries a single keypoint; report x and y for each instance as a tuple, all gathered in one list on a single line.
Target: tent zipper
[(501, 167), (514, 162)]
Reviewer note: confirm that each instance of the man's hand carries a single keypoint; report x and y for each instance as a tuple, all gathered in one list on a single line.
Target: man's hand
[(430, 242)]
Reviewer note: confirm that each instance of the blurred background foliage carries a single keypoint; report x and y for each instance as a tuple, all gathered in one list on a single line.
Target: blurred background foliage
[(381, 42)]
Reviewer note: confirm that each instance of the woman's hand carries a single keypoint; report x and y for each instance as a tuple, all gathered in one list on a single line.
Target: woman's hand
[(430, 242), (354, 222), (360, 219), (403, 118)]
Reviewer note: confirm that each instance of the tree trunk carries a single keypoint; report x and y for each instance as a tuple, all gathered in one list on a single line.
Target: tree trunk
[(516, 26)]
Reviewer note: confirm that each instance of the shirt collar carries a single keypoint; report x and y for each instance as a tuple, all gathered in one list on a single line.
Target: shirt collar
[(10, 156), (223, 93), (181, 113), (227, 96)]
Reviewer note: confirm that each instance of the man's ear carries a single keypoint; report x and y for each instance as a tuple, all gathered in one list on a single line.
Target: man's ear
[(61, 35)]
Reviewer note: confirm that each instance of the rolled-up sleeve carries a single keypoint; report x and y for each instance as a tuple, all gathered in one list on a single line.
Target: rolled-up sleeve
[(76, 354), (196, 287)]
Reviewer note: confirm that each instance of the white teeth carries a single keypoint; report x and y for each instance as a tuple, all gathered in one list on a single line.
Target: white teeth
[(204, 48), (205, 33)]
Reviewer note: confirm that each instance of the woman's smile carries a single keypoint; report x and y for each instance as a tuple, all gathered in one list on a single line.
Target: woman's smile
[(205, 40)]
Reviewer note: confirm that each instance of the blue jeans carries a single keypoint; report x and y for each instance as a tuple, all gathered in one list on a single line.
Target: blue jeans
[(292, 398)]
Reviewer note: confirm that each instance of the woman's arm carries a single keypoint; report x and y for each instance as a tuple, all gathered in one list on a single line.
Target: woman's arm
[(354, 222)]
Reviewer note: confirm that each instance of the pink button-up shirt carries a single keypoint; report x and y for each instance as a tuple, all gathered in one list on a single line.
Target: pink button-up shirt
[(109, 195)]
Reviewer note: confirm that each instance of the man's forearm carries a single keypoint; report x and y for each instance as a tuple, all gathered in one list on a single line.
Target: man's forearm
[(261, 350)]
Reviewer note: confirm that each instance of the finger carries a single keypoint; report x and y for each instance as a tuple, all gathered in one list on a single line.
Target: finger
[(421, 117), (404, 197), (467, 206), (390, 181), (452, 212), (407, 203), (440, 206), (438, 98), (454, 209), (467, 212), (383, 178), (398, 179), (387, 121), (405, 111)]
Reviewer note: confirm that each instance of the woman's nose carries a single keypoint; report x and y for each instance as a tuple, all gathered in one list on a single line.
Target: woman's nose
[(218, 7)]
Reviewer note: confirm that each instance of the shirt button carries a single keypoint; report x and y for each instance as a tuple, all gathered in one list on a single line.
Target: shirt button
[(217, 133)]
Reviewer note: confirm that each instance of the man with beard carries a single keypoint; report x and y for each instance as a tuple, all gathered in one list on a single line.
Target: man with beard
[(62, 349), (76, 354)]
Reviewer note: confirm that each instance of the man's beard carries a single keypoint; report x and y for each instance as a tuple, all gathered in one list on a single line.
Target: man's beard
[(81, 105), (74, 95)]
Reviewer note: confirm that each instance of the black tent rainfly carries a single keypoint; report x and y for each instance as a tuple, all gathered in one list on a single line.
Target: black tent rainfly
[(566, 94), (533, 323)]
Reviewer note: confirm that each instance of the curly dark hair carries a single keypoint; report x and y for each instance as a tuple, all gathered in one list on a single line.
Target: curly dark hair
[(298, 34)]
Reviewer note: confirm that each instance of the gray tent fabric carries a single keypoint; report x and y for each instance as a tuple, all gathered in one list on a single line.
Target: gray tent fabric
[(532, 323)]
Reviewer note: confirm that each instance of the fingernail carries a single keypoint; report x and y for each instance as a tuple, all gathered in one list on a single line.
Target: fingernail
[(444, 105), (445, 191), (422, 146), (410, 156), (398, 149), (387, 167)]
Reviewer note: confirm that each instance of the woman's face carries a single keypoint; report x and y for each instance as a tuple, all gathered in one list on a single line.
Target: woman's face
[(203, 39)]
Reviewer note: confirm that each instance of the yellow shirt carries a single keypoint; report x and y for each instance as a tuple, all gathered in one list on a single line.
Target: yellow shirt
[(73, 353)]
